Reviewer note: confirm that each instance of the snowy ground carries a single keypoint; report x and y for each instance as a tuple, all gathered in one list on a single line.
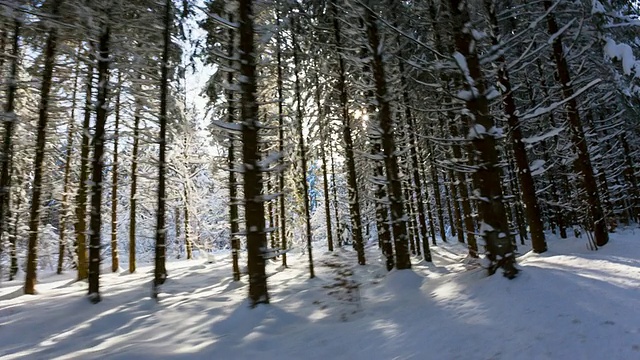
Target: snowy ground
[(569, 303)]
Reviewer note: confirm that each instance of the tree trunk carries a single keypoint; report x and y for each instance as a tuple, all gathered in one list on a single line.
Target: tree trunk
[(81, 197), (528, 188), (283, 215), (160, 273), (9, 119), (134, 185), (596, 214), (43, 117), (303, 150), (254, 208), (233, 185), (115, 263), (398, 219), (413, 148), (354, 196), (187, 229), (13, 269), (629, 173), (95, 224), (334, 191), (323, 156), (495, 231), (67, 172)]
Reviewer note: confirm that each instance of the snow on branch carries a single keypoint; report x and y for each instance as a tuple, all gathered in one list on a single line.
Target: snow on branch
[(623, 53), (545, 110), (539, 138), (230, 127)]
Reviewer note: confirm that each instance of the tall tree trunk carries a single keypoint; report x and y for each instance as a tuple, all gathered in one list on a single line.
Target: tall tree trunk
[(354, 195), (176, 218), (13, 237), (413, 148), (495, 231), (187, 228), (43, 117), (283, 215), (9, 119), (583, 163), (254, 208), (95, 223), (134, 184), (382, 212), (81, 197), (629, 173), (160, 272), (455, 203), (303, 150), (528, 188), (115, 261), (560, 218), (67, 171), (334, 190), (233, 184), (398, 219), (323, 157)]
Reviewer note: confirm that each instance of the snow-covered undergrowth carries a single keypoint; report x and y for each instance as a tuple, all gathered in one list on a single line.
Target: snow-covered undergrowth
[(569, 303)]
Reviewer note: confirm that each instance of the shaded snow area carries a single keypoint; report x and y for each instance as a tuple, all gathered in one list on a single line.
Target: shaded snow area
[(569, 303)]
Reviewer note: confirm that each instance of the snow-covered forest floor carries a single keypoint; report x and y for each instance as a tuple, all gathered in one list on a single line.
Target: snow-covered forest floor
[(569, 303)]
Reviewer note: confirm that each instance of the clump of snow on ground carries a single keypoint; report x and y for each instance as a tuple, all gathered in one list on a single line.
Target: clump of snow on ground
[(568, 303)]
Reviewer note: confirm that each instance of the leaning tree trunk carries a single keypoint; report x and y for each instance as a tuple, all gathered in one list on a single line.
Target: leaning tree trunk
[(160, 270), (95, 223), (499, 244), (528, 188), (254, 208), (577, 134), (354, 194), (43, 117), (394, 183)]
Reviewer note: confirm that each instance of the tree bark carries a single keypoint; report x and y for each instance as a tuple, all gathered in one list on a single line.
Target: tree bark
[(583, 164), (160, 272), (323, 157), (354, 195), (67, 173), (115, 261), (43, 117), (9, 119), (283, 215), (81, 198), (254, 208), (499, 244), (398, 219), (303, 150), (528, 188), (95, 223)]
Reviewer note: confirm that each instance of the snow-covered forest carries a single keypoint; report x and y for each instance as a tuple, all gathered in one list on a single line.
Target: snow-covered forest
[(288, 178)]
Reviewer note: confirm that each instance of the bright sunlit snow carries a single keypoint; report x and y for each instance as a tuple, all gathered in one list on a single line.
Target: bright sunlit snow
[(569, 303)]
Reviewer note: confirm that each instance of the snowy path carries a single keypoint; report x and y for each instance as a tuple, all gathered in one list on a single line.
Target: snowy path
[(570, 303)]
